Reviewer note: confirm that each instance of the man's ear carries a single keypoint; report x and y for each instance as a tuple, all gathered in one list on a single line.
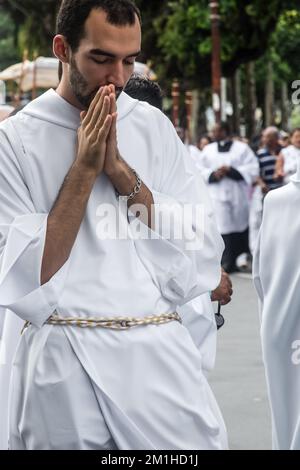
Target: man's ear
[(61, 48)]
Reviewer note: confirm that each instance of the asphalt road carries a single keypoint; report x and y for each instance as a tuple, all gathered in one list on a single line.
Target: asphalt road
[(238, 380)]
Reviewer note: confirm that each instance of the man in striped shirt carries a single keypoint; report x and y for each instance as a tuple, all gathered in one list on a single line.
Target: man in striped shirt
[(267, 157)]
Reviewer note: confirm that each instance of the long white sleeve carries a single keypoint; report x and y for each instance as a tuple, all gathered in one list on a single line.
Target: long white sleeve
[(248, 165), (182, 269), (22, 239)]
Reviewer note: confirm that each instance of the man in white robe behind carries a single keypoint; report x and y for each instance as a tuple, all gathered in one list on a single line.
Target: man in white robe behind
[(229, 168), (289, 156), (276, 266), (142, 388)]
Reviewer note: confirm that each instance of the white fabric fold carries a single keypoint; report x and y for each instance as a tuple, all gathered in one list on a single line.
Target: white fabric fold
[(276, 272), (20, 286)]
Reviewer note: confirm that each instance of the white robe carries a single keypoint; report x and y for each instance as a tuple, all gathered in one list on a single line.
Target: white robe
[(277, 281), (197, 316), (291, 156), (141, 377), (230, 198), (13, 326)]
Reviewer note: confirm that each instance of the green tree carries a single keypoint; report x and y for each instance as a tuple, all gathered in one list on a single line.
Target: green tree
[(8, 49), (184, 36), (34, 23)]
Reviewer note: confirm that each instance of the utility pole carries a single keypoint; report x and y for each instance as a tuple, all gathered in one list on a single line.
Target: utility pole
[(216, 59), (176, 101), (189, 110)]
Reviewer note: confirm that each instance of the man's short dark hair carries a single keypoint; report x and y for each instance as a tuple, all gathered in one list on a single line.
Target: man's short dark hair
[(225, 126), (74, 13), (143, 89)]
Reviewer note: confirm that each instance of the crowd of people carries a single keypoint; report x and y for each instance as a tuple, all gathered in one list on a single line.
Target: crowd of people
[(239, 176)]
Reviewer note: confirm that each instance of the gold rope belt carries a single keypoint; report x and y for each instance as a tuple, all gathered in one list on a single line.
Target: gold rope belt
[(115, 323)]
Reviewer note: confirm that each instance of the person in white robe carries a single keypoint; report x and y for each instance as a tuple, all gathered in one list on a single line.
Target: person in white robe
[(229, 168), (132, 382), (276, 277), (288, 159)]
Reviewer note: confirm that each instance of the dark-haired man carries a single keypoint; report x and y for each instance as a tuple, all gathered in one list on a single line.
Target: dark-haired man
[(75, 254), (144, 89)]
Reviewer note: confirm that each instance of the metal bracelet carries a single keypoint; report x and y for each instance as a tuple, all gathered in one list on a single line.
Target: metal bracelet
[(136, 189)]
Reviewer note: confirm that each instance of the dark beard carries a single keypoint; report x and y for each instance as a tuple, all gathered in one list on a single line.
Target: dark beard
[(79, 86)]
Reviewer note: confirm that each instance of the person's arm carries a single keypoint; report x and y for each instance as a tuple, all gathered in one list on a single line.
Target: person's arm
[(279, 167), (66, 215), (218, 175), (224, 290), (65, 219), (97, 153), (234, 174), (262, 185), (122, 177), (213, 178), (22, 236)]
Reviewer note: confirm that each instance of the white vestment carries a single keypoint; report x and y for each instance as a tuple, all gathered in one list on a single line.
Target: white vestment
[(142, 388), (277, 281), (230, 198), (291, 155)]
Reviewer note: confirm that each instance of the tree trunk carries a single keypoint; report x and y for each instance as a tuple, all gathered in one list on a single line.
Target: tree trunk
[(235, 85), (251, 100), (284, 106), (269, 96), (195, 112)]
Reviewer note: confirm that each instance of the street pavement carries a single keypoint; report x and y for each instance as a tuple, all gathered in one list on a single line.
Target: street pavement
[(238, 380)]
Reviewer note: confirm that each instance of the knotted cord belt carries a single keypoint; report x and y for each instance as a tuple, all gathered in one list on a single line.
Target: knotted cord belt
[(115, 323)]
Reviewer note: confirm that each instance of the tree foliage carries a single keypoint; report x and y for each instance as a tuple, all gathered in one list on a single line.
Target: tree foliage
[(184, 36), (34, 22), (177, 34), (8, 42)]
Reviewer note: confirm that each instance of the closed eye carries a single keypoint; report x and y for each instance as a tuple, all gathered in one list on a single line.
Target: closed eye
[(105, 61), (99, 61)]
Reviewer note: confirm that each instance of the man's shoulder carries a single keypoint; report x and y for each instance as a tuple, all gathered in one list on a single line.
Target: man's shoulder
[(151, 111), (141, 109)]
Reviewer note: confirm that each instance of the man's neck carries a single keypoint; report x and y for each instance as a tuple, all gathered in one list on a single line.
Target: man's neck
[(65, 91)]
